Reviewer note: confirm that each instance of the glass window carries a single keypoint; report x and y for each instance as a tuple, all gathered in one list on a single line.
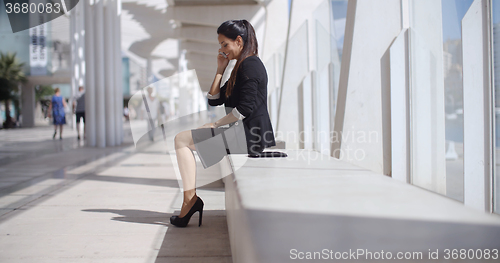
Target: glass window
[(338, 21), (453, 12), (437, 95)]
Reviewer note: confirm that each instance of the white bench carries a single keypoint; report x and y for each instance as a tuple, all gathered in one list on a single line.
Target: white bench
[(280, 209)]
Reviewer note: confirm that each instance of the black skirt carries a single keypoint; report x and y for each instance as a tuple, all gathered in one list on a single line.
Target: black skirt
[(212, 144)]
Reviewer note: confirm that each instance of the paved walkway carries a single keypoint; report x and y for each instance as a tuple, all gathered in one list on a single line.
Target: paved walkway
[(63, 202)]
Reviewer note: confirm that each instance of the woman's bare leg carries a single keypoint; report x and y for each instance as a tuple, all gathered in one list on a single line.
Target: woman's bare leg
[(184, 147), (60, 131), (78, 129)]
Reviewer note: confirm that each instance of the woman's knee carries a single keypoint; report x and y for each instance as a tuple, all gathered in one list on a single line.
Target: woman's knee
[(178, 139), (182, 139)]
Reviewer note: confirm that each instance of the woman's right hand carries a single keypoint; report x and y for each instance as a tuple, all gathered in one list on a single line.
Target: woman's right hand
[(222, 63), (207, 125)]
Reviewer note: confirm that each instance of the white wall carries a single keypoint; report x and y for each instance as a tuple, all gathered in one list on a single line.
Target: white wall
[(363, 118), (300, 61)]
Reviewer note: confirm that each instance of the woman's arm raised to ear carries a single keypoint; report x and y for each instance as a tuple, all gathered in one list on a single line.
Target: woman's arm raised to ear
[(222, 63), (215, 96), (219, 98), (215, 89)]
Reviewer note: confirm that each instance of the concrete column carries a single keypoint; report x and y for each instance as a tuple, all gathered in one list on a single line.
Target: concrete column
[(362, 120), (149, 70), (400, 119), (81, 43), (73, 39), (76, 39), (298, 63), (90, 89), (478, 105), (321, 32), (295, 69), (100, 98), (118, 75), (345, 68), (109, 46), (28, 105), (275, 31), (427, 137), (306, 112)]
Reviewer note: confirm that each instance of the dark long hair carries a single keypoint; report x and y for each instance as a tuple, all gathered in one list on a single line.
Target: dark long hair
[(232, 29)]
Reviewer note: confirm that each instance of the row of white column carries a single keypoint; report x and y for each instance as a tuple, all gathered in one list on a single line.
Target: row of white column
[(104, 95), (77, 32), (401, 96)]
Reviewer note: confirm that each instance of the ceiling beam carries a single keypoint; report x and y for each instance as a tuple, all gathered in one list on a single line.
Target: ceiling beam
[(211, 15), (214, 2)]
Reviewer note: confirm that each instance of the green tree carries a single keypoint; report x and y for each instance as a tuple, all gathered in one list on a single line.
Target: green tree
[(43, 92), (11, 74)]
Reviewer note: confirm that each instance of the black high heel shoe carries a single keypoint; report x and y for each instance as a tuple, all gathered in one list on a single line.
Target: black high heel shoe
[(183, 221)]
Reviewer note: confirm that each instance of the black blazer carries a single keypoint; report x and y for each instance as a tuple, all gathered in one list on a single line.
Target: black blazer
[(249, 96)]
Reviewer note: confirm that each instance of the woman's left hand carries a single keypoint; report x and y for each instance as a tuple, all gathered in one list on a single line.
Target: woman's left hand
[(222, 62), (208, 125)]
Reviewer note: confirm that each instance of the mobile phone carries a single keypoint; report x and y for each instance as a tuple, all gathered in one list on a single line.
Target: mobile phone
[(223, 54)]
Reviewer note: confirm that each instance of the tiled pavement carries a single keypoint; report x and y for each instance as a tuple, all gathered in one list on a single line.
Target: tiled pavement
[(63, 202)]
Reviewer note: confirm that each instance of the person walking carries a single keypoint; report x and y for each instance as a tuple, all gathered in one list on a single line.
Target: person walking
[(57, 106), (79, 110)]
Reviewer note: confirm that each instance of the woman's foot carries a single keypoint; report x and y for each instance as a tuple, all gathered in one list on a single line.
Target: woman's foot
[(53, 137), (187, 205), (182, 221)]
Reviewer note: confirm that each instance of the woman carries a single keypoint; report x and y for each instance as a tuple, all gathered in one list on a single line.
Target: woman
[(57, 106), (245, 92)]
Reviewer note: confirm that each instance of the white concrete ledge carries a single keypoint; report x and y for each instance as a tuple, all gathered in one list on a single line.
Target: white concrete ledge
[(310, 202)]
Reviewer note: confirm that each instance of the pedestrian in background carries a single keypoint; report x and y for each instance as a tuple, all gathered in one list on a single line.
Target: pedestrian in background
[(57, 106), (79, 110)]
